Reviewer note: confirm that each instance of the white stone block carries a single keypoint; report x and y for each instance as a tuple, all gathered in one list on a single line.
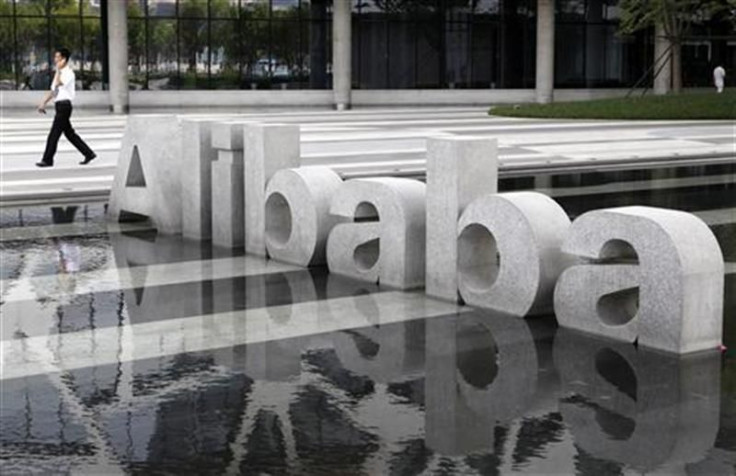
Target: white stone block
[(196, 178), (459, 170), (297, 214), (650, 275), (268, 148), (228, 135), (147, 178), (666, 407), (509, 252), (227, 199), (391, 249)]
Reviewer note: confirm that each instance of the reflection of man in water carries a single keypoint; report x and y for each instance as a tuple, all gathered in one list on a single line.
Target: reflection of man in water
[(68, 253), (719, 76)]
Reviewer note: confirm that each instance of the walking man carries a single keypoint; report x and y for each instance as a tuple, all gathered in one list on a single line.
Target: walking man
[(719, 76), (62, 92)]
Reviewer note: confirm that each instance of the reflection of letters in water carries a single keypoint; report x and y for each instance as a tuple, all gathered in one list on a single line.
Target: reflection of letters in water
[(474, 375), (639, 270), (481, 371), (641, 408)]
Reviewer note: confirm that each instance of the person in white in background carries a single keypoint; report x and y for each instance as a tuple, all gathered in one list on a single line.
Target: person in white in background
[(62, 92), (719, 76)]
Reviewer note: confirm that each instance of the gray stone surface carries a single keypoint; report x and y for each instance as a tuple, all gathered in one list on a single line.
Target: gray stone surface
[(267, 148), (650, 274), (196, 178), (297, 214), (509, 252), (147, 178), (666, 407), (391, 250), (228, 199), (228, 184), (459, 170)]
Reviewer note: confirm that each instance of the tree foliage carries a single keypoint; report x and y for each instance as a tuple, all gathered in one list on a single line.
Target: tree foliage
[(677, 17)]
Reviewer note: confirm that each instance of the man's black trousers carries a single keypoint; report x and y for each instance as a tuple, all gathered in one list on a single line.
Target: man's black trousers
[(63, 125)]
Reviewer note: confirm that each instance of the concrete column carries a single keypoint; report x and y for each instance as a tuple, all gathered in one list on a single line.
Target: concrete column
[(545, 50), (341, 51), (663, 81), (117, 32)]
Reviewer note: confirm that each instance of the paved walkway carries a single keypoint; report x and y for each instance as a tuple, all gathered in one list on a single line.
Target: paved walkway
[(370, 141)]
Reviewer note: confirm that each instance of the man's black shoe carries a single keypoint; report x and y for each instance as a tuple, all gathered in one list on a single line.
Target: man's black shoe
[(44, 164), (87, 160)]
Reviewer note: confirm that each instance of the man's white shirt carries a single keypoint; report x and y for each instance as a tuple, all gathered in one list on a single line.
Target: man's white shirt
[(718, 74), (65, 91)]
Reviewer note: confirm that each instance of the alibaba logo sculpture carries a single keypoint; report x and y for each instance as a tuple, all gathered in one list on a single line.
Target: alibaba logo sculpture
[(643, 274)]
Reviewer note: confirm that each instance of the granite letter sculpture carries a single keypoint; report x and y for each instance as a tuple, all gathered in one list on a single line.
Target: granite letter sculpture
[(196, 178), (390, 250), (144, 182), (297, 214), (227, 185), (509, 254), (268, 149), (636, 274), (459, 170), (650, 275)]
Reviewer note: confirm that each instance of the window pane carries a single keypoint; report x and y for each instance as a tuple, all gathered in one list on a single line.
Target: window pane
[(314, 8), (162, 8), (91, 8), (373, 54), (64, 7), (429, 44), (6, 7), (31, 7), (193, 8), (33, 53), (285, 54), (569, 55), (316, 56), (457, 55), (401, 63), (225, 61), (224, 9), (256, 56), (483, 51), (162, 61), (255, 10), (135, 10), (92, 50), (137, 51), (193, 54), (7, 49)]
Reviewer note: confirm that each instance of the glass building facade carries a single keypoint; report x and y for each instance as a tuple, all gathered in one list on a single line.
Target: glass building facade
[(30, 30), (228, 44), (287, 44)]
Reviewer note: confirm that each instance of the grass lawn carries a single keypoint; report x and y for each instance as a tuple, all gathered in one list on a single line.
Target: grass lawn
[(700, 105)]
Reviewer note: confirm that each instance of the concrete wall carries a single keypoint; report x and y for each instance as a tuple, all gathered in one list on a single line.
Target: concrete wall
[(309, 98)]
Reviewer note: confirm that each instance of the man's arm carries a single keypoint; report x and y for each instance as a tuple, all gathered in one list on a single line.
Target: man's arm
[(50, 94)]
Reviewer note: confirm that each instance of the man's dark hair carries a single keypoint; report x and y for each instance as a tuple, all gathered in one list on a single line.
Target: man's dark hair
[(65, 53)]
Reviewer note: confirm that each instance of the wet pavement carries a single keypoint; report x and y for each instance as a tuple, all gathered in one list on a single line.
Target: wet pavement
[(128, 352)]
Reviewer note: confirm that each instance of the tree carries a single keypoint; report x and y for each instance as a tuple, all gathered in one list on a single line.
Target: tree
[(677, 17)]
